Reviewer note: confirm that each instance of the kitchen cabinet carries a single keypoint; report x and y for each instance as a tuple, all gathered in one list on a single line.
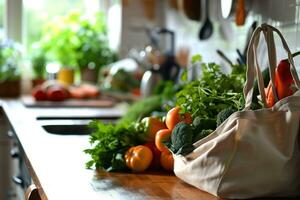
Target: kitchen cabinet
[(8, 165), (56, 164)]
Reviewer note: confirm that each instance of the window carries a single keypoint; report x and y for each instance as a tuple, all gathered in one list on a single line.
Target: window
[(38, 13), (1, 18)]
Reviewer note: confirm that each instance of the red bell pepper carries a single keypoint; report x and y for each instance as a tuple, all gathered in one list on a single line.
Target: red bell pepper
[(283, 83)]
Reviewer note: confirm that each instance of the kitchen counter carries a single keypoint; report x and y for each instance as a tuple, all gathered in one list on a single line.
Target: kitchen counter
[(56, 163)]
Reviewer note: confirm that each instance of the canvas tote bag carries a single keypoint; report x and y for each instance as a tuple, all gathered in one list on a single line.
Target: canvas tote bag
[(252, 153)]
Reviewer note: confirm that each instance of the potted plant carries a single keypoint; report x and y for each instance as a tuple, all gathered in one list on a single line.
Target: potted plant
[(38, 63), (77, 41), (93, 52), (10, 55), (60, 42)]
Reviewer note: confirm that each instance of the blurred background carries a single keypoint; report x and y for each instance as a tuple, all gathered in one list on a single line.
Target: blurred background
[(50, 33)]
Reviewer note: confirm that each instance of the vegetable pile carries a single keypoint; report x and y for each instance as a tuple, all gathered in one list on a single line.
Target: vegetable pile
[(128, 146), (142, 141)]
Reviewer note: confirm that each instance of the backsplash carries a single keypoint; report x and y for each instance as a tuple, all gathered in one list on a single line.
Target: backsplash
[(283, 14), (227, 37)]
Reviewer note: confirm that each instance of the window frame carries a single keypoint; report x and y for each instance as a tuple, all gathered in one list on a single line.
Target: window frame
[(13, 15)]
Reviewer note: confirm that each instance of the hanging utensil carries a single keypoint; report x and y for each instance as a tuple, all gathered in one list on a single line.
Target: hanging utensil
[(207, 28), (240, 15), (241, 57), (227, 8), (222, 55)]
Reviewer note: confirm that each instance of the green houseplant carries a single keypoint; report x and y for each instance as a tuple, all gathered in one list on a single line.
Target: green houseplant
[(10, 55), (93, 52), (78, 42), (38, 63), (60, 42)]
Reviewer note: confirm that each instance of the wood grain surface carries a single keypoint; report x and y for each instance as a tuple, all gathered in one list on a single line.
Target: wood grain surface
[(56, 164), (147, 185)]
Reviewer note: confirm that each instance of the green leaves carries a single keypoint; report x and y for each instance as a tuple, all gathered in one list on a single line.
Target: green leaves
[(196, 58), (212, 93), (10, 55), (75, 40), (109, 142)]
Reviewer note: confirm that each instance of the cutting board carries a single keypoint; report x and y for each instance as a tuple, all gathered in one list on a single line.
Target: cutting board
[(29, 101)]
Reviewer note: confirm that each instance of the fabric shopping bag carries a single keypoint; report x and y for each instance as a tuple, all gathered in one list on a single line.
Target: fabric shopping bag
[(254, 153)]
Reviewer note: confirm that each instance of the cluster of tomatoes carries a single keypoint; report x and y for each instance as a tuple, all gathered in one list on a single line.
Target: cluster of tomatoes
[(55, 91), (155, 154)]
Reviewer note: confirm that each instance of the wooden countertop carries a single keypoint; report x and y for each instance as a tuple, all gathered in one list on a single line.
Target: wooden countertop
[(57, 163)]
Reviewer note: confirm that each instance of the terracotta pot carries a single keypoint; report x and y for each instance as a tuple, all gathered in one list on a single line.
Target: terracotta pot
[(10, 88), (89, 75), (66, 75)]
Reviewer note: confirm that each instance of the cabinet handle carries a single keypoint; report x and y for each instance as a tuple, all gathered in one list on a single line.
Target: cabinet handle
[(14, 153), (18, 180), (10, 134)]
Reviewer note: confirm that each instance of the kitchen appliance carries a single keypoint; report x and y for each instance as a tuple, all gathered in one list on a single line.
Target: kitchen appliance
[(163, 64)]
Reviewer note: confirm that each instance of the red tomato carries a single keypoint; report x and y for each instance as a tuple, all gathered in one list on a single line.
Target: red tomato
[(39, 94), (162, 136), (174, 117), (57, 94), (167, 161), (155, 164)]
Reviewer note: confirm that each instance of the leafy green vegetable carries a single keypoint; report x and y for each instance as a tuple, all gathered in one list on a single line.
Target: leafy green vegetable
[(109, 142), (142, 108), (182, 139), (224, 114), (184, 135), (200, 135), (200, 124), (266, 78), (212, 93)]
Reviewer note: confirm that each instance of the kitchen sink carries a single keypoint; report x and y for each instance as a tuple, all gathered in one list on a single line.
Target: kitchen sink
[(75, 129), (69, 126)]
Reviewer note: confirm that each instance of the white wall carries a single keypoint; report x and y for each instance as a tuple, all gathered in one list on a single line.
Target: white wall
[(134, 23), (284, 14)]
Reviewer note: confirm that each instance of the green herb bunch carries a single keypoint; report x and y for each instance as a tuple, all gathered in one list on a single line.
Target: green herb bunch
[(38, 61), (109, 143), (214, 92)]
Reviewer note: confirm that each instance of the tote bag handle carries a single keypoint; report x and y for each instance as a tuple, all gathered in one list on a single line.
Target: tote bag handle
[(253, 69)]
